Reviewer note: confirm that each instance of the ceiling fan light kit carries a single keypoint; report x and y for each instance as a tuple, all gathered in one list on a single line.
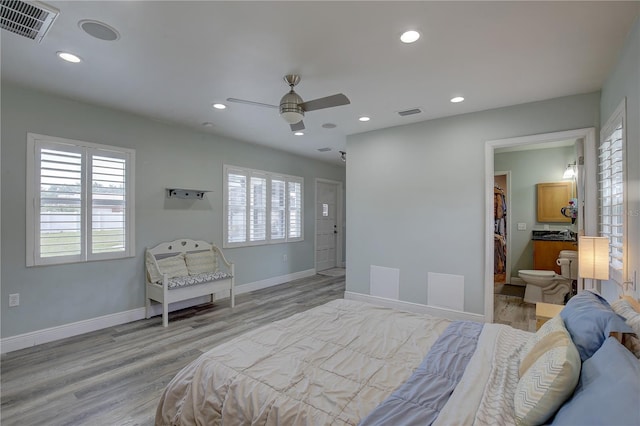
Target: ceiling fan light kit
[(292, 108)]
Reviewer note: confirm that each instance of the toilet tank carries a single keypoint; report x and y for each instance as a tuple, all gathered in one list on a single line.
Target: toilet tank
[(568, 261)]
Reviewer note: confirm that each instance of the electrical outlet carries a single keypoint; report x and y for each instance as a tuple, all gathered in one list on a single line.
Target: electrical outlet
[(14, 299), (284, 257)]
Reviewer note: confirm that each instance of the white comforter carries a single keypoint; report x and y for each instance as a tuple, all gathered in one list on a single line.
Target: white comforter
[(332, 365)]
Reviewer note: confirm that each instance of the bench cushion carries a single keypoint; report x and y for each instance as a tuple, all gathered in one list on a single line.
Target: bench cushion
[(201, 262), (188, 280)]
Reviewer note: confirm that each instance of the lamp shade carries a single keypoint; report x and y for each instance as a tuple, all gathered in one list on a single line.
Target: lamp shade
[(593, 257)]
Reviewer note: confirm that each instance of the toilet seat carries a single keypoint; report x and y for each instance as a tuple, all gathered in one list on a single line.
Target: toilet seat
[(538, 273)]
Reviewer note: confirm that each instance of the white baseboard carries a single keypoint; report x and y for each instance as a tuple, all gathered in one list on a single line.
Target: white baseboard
[(26, 340), (415, 307), (270, 282)]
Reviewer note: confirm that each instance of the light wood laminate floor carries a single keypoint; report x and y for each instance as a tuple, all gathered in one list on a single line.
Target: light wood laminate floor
[(115, 376)]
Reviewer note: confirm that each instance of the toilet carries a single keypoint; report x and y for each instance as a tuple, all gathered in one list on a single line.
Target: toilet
[(547, 286)]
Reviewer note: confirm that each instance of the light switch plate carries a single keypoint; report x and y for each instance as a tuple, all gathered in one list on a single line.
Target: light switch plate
[(522, 226)]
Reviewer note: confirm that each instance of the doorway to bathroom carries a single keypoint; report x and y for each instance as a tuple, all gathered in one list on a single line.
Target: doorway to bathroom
[(585, 153), (501, 234)]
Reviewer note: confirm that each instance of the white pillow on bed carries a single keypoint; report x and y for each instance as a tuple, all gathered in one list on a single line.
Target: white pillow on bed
[(549, 373)]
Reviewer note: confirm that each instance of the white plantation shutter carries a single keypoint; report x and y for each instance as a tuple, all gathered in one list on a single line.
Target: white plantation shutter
[(261, 207), (295, 209), (108, 204), (611, 185), (258, 209), (59, 203), (79, 201), (278, 209), (236, 207)]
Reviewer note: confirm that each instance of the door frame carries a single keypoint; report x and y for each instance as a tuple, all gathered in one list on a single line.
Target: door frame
[(508, 265), (588, 226), (339, 221)]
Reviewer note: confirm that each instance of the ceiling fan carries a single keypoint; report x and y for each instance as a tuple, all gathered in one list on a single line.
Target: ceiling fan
[(292, 107)]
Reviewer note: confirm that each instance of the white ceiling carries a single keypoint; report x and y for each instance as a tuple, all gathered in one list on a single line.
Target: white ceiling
[(175, 58)]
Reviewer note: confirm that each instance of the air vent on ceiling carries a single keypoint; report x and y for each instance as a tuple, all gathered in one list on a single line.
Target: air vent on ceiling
[(324, 149), (29, 19), (409, 112)]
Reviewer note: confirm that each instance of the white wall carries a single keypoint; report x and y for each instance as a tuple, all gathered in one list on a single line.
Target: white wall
[(416, 193), (624, 81), (166, 156)]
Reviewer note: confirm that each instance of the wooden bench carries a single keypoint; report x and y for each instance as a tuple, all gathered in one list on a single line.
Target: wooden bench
[(184, 269)]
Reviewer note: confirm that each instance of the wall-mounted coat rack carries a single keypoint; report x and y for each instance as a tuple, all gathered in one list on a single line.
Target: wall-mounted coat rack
[(186, 193)]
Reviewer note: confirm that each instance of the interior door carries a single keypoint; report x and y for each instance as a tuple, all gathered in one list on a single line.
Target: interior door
[(326, 225)]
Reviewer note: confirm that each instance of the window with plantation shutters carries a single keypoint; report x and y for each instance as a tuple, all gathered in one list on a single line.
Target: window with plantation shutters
[(261, 207), (79, 201), (611, 186)]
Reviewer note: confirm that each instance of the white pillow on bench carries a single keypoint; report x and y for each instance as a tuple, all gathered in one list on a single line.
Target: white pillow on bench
[(173, 266), (201, 262)]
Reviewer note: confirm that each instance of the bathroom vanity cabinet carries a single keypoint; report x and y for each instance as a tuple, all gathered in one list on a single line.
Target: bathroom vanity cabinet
[(552, 197), (545, 254)]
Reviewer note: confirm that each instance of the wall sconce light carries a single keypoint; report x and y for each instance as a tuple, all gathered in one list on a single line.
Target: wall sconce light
[(570, 172), (343, 156), (593, 257)]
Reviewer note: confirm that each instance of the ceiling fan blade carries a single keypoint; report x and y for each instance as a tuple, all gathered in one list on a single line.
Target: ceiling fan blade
[(326, 102), (243, 101), (297, 126)]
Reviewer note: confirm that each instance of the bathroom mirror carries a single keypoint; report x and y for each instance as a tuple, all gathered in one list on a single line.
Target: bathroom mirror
[(552, 198)]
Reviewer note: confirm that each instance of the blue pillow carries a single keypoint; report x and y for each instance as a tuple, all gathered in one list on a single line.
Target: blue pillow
[(590, 320), (608, 392)]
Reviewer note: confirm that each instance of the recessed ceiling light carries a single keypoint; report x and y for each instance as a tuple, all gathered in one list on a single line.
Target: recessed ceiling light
[(409, 36), (69, 57), (299, 133), (219, 106), (364, 118), (457, 99)]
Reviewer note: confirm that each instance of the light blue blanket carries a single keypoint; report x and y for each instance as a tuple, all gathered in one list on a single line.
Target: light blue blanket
[(419, 400)]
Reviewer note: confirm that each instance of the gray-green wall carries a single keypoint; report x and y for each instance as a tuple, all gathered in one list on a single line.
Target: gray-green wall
[(624, 81), (166, 156), (416, 198), (527, 169)]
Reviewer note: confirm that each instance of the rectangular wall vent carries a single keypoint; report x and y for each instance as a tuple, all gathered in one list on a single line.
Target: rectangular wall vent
[(324, 149), (409, 112), (30, 19)]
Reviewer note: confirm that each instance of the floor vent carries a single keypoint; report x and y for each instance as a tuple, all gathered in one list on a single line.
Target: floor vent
[(28, 19), (409, 112)]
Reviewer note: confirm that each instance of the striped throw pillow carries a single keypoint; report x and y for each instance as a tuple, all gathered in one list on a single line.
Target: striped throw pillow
[(548, 375), (554, 324), (627, 308)]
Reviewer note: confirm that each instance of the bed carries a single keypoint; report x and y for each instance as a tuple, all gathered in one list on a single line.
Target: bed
[(350, 363)]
